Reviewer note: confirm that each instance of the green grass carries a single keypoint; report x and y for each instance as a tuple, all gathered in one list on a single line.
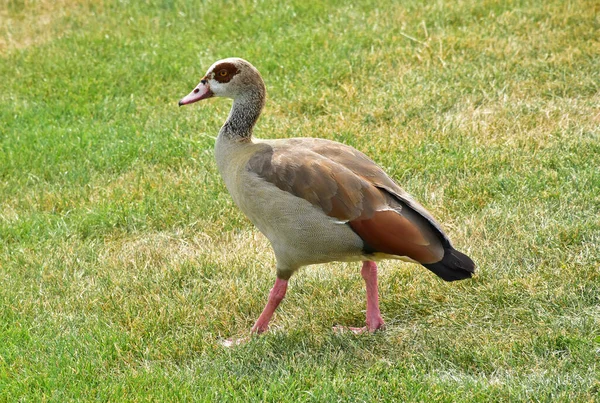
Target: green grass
[(123, 261)]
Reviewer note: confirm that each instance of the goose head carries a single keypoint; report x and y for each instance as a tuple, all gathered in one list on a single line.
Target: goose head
[(233, 78)]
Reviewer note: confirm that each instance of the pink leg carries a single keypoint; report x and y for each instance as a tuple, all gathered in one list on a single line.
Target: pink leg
[(275, 297), (369, 273)]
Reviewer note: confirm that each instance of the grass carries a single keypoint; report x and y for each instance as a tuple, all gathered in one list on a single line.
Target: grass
[(123, 261)]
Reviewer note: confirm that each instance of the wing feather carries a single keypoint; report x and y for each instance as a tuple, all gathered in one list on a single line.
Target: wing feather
[(351, 188)]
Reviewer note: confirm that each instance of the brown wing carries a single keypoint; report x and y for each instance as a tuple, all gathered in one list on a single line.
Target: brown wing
[(347, 185), (335, 189), (363, 166)]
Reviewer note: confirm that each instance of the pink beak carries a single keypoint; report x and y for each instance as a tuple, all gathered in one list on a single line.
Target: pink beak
[(202, 91)]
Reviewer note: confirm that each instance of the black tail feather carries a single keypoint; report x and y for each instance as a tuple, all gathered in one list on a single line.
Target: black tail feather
[(454, 265)]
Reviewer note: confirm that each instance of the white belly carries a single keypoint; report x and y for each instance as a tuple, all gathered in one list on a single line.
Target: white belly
[(300, 233)]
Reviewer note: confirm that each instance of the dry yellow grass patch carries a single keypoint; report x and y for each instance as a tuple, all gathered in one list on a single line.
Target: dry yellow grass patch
[(33, 22)]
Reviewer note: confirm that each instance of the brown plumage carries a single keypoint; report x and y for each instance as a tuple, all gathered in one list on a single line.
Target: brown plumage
[(318, 200), (345, 184)]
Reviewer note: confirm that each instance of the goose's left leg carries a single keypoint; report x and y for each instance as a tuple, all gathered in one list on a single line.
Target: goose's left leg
[(262, 324), (369, 274), (275, 297)]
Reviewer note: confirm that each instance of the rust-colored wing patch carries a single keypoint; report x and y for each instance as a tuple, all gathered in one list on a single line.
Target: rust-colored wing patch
[(392, 233)]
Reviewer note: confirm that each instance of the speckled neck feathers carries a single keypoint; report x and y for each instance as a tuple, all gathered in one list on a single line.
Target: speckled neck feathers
[(244, 113)]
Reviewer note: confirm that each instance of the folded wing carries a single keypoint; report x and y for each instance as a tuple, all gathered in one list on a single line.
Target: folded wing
[(348, 186)]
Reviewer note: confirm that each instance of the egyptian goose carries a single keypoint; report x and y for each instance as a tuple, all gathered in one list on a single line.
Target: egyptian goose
[(317, 200)]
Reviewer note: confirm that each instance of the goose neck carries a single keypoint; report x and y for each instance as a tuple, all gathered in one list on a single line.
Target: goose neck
[(244, 113)]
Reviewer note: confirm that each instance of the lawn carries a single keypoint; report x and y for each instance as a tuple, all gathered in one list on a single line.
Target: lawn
[(124, 263)]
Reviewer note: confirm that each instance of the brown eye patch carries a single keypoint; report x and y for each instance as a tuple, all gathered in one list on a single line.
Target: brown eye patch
[(224, 72)]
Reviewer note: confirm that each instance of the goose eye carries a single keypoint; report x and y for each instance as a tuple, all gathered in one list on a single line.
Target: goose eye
[(223, 73)]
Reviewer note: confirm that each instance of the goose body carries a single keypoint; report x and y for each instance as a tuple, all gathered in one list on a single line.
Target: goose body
[(300, 233), (317, 200)]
